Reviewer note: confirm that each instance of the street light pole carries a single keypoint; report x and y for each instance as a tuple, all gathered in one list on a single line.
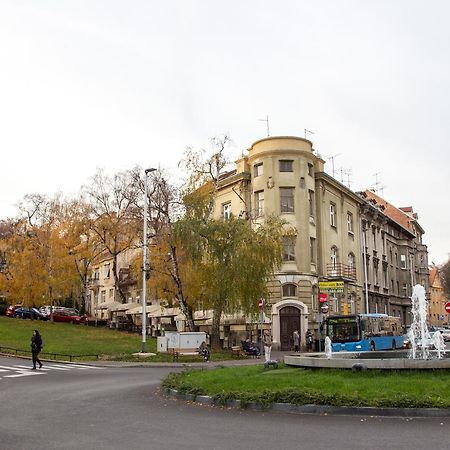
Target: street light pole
[(145, 266)]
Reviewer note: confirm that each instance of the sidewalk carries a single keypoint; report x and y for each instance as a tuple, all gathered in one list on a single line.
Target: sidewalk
[(277, 355)]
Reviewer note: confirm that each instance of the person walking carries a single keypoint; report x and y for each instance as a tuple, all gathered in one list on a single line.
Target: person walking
[(267, 341), (296, 337), (36, 347)]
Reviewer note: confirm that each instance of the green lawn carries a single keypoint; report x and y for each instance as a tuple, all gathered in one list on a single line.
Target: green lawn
[(68, 339), (326, 387)]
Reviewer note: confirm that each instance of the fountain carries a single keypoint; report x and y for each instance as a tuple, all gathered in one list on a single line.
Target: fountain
[(418, 333), (420, 356), (328, 350), (439, 343)]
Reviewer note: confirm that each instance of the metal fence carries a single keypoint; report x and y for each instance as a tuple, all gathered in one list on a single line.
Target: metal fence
[(46, 355)]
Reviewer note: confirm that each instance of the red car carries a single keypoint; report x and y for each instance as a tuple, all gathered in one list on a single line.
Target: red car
[(67, 316), (11, 311)]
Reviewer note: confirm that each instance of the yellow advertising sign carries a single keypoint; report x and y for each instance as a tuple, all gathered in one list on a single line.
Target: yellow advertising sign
[(331, 286)]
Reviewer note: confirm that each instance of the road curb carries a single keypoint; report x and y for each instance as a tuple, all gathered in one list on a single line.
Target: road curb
[(291, 408)]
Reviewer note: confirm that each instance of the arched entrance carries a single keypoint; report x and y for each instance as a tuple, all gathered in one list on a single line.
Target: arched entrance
[(289, 322)]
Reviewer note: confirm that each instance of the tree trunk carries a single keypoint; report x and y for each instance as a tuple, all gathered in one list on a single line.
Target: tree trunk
[(185, 307), (215, 329), (116, 280)]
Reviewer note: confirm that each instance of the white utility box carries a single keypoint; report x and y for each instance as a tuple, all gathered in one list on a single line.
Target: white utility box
[(180, 340), (161, 344)]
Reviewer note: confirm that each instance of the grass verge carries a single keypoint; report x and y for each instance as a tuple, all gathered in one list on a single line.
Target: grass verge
[(78, 340), (398, 389)]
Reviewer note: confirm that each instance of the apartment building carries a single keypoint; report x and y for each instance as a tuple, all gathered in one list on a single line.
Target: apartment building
[(437, 314), (106, 302), (396, 258), (321, 258)]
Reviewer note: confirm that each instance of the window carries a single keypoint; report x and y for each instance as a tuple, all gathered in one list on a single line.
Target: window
[(334, 257), (311, 202), (289, 248), (289, 290), (111, 293), (286, 200), (97, 274), (385, 277), (103, 294), (286, 165), (310, 169), (332, 214), (374, 239), (375, 273), (312, 249), (351, 263), (352, 303), (226, 211), (405, 290), (349, 222), (403, 261), (259, 203), (107, 272), (258, 170)]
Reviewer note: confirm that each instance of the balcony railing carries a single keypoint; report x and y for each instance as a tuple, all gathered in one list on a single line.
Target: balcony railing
[(340, 270), (94, 283)]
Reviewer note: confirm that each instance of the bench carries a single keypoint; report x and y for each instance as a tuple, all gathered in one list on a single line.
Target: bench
[(176, 352), (236, 350)]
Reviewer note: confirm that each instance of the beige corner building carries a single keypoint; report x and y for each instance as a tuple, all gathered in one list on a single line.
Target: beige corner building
[(321, 268), (437, 314)]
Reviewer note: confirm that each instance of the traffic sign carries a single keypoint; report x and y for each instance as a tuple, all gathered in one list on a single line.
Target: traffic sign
[(447, 307), (261, 302)]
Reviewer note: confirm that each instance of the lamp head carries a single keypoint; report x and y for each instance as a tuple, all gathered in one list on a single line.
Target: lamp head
[(147, 171)]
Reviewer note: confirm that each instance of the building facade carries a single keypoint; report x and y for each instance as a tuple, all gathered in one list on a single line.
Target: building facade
[(321, 263), (343, 252), (396, 258), (437, 314)]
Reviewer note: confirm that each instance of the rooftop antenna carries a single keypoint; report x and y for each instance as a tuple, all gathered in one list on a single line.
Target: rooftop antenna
[(267, 123), (308, 131), (377, 184), (346, 173), (332, 163)]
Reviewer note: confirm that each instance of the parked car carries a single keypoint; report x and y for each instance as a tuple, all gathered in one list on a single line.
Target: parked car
[(29, 313), (64, 315), (10, 312)]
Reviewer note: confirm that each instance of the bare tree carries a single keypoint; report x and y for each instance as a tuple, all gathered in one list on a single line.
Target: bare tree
[(165, 207), (114, 219)]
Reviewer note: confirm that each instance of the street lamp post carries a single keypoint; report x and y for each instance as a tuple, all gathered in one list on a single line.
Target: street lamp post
[(145, 266)]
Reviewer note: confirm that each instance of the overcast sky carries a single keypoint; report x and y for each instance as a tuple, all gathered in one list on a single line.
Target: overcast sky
[(113, 84)]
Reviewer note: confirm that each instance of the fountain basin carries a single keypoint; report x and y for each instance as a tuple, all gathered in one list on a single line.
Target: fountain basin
[(388, 360)]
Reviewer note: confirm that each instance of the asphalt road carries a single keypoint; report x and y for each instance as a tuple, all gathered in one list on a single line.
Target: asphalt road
[(74, 407)]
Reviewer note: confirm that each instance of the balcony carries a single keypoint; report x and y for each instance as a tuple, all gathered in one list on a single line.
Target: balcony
[(94, 283), (125, 277), (340, 270)]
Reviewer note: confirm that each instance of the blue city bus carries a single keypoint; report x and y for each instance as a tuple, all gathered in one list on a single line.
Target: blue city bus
[(364, 332)]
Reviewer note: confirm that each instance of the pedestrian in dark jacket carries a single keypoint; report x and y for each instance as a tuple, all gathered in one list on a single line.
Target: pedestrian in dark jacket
[(36, 347)]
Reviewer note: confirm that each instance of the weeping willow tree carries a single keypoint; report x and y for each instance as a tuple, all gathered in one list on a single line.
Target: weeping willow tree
[(232, 260)]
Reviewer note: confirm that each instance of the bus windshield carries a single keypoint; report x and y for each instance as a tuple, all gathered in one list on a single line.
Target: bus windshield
[(343, 329)]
